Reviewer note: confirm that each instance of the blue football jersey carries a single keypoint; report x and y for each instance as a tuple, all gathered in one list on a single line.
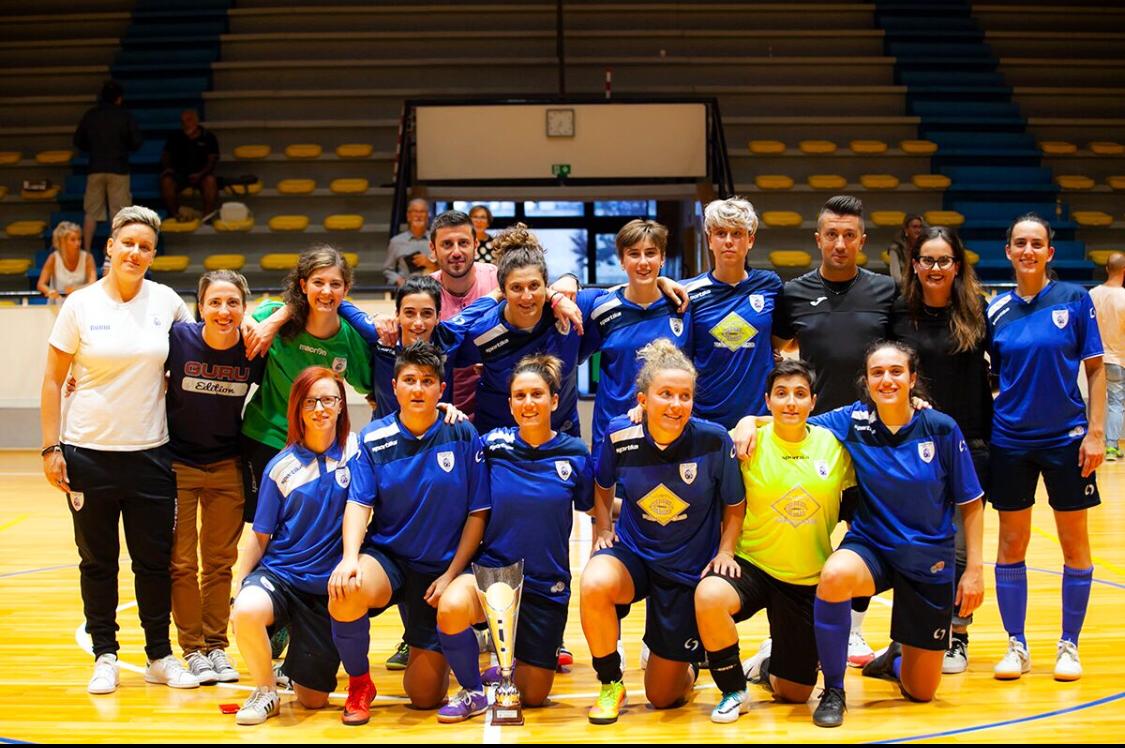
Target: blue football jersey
[(672, 499), (1036, 348)]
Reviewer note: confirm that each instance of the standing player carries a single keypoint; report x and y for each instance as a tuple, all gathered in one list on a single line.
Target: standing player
[(1041, 333), (732, 316), (538, 478), (913, 469), (793, 486), (680, 491), (423, 485)]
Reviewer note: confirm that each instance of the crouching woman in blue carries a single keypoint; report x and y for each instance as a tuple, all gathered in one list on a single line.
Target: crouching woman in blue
[(913, 469), (297, 526), (538, 478), (679, 484)]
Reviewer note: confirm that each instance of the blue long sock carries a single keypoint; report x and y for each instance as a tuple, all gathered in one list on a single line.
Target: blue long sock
[(1011, 596), (353, 638), (463, 652), (896, 666), (1075, 599), (833, 623)]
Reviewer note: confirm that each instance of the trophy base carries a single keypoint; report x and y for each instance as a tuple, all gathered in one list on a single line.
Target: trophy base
[(506, 715)]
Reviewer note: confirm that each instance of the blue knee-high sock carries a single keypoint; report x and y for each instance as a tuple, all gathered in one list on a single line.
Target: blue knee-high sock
[(896, 666), (462, 652), (833, 623), (1075, 599), (353, 639), (1011, 596)]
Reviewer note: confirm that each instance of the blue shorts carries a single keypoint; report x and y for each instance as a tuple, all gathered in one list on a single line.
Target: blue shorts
[(922, 613), (1014, 474), (311, 659), (670, 628), (408, 590)]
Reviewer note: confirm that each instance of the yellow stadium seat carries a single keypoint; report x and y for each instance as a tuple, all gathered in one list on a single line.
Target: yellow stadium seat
[(773, 182), (50, 193), (1117, 182), (352, 258), (10, 157), (972, 257), (817, 147), (888, 217), (246, 189), (931, 181), (244, 225), (54, 157), (827, 182), (860, 259), (781, 218), (1100, 256), (867, 146), (279, 261), (790, 258), (170, 264), (289, 223), (766, 147), (224, 262), (15, 266), (1091, 218), (354, 150), (344, 222), (943, 218), (296, 186), (1058, 147), (251, 152), (1074, 182), (879, 181), (25, 228), (1102, 148), (172, 226), (349, 186), (3, 192), (918, 147), (303, 150)]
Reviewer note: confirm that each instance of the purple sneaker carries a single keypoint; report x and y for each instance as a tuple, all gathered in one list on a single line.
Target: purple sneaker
[(462, 706), (491, 677)]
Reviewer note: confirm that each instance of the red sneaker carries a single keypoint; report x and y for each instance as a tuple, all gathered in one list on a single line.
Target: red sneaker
[(357, 707), (566, 660)]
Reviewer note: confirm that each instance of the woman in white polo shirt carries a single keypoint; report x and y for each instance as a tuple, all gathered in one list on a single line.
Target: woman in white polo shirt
[(105, 446)]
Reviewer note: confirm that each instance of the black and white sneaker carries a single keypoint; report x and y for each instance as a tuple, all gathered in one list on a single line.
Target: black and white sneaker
[(883, 664)]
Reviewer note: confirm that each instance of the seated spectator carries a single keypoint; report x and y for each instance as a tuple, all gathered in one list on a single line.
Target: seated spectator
[(189, 160), (69, 267), (408, 253)]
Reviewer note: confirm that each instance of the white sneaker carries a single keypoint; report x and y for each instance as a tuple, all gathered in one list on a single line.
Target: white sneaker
[(859, 653), (1067, 666), (956, 659), (105, 677), (280, 677), (260, 706), (170, 672), (1016, 661), (751, 666), (199, 665), (730, 706), (220, 663), (644, 655)]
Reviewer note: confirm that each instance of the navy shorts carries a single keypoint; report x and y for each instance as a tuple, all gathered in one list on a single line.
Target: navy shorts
[(539, 633), (789, 608), (670, 629), (311, 660), (408, 592), (922, 613), (1015, 473)]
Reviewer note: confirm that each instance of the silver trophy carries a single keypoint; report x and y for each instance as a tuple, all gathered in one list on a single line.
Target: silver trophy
[(499, 592)]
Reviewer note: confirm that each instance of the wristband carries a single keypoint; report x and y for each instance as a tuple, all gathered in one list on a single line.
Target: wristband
[(556, 299), (52, 448)]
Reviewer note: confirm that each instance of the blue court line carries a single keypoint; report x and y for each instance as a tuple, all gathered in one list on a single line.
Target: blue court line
[(13, 741), (1007, 722), (36, 571)]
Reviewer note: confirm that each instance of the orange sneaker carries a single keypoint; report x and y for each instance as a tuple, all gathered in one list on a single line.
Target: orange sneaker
[(357, 707)]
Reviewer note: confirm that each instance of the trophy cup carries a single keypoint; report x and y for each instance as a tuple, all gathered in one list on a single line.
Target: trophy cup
[(499, 591)]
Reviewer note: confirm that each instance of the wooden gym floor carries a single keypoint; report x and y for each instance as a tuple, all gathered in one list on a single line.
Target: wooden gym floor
[(44, 668)]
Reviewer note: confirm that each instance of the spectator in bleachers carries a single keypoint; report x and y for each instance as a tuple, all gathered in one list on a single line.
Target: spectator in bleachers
[(898, 254), (109, 133), (1109, 301), (482, 219), (189, 160), (408, 253), (68, 268)]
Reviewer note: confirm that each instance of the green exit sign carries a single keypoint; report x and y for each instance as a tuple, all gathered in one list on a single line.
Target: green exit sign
[(560, 170)]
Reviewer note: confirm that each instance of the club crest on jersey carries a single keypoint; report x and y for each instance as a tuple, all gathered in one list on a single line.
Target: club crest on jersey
[(688, 471), (677, 326), (821, 468), (937, 567), (339, 364), (926, 451), (77, 500), (445, 461), (563, 326), (563, 468), (757, 302), (1060, 317), (343, 476)]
